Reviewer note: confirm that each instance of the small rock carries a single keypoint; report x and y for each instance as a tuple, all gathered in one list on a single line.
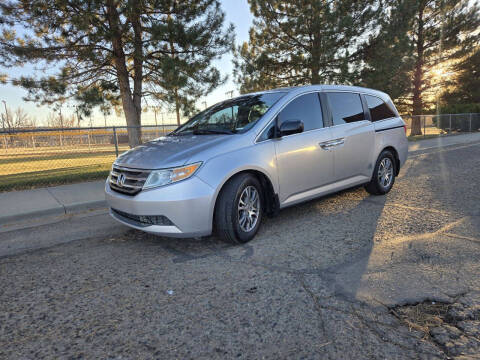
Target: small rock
[(471, 328), (444, 334)]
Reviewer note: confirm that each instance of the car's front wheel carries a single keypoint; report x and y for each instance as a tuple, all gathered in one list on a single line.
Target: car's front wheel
[(383, 174), (239, 209)]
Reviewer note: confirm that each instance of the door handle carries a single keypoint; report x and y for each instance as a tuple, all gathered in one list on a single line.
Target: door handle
[(338, 142), (327, 145)]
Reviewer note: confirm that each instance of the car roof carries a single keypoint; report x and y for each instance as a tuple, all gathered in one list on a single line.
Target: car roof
[(326, 87)]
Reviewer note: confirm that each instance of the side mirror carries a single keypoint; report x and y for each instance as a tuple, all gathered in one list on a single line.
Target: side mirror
[(290, 127)]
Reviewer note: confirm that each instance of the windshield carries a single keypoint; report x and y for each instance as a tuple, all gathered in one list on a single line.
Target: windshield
[(231, 116)]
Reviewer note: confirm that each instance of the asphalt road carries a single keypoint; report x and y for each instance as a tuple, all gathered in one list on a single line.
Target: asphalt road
[(323, 280)]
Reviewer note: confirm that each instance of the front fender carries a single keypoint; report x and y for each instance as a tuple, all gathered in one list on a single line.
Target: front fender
[(219, 169)]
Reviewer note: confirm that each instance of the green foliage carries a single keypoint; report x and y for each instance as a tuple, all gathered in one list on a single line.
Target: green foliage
[(460, 108), (111, 50), (465, 89), (443, 30), (385, 44), (303, 42), (388, 55)]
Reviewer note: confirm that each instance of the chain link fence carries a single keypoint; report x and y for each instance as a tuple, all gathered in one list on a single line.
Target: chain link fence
[(444, 124), (47, 156)]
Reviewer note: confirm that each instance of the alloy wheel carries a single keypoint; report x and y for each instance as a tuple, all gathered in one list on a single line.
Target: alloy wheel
[(385, 172), (248, 208)]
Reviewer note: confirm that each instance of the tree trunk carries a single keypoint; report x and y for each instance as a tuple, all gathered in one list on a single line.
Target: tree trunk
[(132, 115), (177, 107), (315, 61), (418, 76), (137, 63), (175, 90)]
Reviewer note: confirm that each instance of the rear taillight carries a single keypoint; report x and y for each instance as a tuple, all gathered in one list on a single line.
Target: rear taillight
[(405, 128)]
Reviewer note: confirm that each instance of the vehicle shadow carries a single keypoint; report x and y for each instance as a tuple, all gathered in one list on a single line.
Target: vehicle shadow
[(320, 237)]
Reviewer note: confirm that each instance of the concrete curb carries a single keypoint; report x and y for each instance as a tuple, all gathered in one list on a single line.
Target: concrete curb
[(18, 218), (20, 207), (81, 207), (49, 215)]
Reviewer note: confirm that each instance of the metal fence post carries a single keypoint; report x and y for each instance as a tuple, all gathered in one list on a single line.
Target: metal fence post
[(424, 121), (450, 126), (470, 127), (115, 141), (88, 135)]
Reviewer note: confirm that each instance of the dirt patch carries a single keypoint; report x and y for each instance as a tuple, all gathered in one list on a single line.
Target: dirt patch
[(454, 328)]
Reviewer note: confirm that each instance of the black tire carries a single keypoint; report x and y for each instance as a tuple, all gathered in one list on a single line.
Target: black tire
[(375, 187), (226, 210)]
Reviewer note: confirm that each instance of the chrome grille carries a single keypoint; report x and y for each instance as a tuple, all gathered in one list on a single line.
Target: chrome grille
[(127, 181)]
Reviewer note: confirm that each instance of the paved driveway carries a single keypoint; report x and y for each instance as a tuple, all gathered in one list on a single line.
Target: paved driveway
[(327, 279)]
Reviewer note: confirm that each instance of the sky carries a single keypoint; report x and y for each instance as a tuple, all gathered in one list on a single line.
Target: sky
[(236, 11)]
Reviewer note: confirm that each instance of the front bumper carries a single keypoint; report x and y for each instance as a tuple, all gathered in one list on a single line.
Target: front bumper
[(187, 204)]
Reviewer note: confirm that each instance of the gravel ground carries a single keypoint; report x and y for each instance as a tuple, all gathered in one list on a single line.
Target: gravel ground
[(347, 276)]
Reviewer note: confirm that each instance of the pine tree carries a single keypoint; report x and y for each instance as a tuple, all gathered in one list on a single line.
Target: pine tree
[(387, 59), (442, 30), (466, 85), (303, 42), (118, 50)]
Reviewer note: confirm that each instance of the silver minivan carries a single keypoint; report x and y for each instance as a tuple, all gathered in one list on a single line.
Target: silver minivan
[(253, 155)]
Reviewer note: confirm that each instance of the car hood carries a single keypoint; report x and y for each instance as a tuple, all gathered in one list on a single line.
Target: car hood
[(168, 151)]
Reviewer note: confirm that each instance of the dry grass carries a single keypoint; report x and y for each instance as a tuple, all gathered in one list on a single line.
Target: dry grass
[(36, 159), (423, 316), (25, 168)]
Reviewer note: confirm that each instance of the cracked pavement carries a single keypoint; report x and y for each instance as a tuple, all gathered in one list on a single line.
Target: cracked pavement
[(318, 281)]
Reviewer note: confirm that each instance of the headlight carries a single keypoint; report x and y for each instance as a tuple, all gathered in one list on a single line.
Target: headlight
[(168, 176)]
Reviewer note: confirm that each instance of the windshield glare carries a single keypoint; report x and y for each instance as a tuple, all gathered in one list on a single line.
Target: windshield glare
[(232, 116)]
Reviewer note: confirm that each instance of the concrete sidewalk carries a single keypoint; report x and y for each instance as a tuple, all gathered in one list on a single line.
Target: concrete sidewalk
[(25, 206), (22, 206), (442, 141)]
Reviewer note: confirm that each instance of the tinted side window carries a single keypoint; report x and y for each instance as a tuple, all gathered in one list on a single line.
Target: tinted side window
[(305, 108), (346, 107), (378, 109)]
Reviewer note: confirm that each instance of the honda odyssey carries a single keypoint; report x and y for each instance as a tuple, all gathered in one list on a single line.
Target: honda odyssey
[(253, 155)]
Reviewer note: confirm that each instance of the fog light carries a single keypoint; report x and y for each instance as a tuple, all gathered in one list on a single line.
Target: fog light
[(146, 219)]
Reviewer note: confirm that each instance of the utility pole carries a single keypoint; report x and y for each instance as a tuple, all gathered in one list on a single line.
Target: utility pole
[(78, 117), (6, 115), (156, 123), (205, 103), (61, 125), (61, 118), (440, 55), (230, 92)]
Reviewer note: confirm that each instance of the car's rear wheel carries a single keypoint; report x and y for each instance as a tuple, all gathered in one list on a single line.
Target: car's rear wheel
[(383, 176), (239, 209)]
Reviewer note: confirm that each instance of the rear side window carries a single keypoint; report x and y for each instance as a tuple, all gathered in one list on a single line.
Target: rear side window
[(305, 108), (379, 110), (345, 107)]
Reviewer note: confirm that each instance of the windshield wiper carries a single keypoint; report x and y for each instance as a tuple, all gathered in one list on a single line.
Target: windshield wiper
[(212, 131)]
